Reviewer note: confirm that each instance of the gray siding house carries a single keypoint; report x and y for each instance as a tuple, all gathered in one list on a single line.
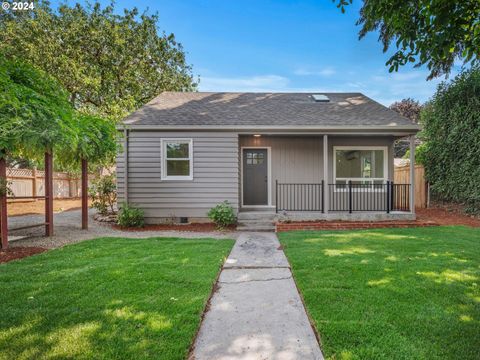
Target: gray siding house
[(300, 155)]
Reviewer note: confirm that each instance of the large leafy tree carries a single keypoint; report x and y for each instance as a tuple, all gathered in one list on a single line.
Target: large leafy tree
[(109, 63), (452, 140), (426, 32)]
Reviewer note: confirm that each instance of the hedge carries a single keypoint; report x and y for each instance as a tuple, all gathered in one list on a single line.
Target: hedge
[(451, 122)]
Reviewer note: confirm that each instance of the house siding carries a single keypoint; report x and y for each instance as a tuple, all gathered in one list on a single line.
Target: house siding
[(295, 159), (215, 175), (299, 159), (216, 171)]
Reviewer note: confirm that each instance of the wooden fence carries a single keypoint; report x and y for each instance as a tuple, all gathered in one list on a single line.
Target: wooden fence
[(31, 182), (401, 175)]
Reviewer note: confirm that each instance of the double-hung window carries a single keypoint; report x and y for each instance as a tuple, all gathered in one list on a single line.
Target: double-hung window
[(177, 159), (360, 165)]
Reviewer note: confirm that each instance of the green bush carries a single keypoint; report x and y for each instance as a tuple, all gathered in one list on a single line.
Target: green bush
[(452, 132), (103, 192), (419, 154), (130, 216), (222, 215), (5, 187)]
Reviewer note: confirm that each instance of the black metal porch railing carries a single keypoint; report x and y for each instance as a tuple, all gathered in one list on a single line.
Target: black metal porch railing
[(346, 196), (299, 197), (369, 197)]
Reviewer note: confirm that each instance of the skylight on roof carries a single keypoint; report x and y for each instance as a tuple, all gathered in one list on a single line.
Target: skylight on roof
[(320, 98)]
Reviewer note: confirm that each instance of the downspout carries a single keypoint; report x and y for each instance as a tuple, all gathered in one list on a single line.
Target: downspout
[(125, 171)]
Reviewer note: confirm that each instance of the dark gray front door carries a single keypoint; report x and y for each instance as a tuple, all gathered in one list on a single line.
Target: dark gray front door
[(255, 177)]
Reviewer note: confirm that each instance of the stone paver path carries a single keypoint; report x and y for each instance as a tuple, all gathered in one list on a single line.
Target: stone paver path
[(256, 312)]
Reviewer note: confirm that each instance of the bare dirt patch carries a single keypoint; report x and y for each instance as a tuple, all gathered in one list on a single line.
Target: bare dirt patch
[(15, 253), (16, 208), (201, 227), (447, 215)]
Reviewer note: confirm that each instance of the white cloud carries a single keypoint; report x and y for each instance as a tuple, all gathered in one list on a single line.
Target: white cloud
[(259, 83), (400, 85), (327, 71), (357, 85), (381, 86)]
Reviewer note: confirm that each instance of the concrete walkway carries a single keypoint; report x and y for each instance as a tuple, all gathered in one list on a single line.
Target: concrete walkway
[(256, 313)]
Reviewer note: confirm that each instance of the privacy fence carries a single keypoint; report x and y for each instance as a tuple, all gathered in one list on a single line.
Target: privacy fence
[(401, 175), (31, 182)]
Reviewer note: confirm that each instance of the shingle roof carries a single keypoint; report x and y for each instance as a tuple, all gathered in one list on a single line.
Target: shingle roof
[(263, 109)]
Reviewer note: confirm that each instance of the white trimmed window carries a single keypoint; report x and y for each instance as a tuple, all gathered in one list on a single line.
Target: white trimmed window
[(177, 159), (360, 164)]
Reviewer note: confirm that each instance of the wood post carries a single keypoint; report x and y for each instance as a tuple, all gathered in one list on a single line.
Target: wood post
[(48, 193), (3, 207), (84, 194), (34, 182), (412, 174)]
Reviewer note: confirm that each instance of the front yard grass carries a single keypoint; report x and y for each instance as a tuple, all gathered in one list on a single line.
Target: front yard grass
[(109, 298), (391, 293)]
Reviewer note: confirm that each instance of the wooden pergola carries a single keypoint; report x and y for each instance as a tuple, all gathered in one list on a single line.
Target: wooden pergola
[(38, 117), (48, 197)]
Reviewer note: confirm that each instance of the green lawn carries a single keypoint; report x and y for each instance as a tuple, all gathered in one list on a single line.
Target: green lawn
[(109, 298), (391, 293)]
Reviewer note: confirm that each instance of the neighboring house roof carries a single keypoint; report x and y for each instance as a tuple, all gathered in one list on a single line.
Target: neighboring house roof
[(241, 110)]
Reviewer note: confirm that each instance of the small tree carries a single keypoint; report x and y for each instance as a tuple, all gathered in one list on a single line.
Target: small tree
[(103, 192), (410, 109)]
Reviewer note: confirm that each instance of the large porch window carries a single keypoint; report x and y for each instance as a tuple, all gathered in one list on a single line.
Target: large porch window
[(361, 165)]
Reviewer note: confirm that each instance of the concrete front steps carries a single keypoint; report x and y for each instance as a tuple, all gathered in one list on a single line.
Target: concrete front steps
[(256, 221)]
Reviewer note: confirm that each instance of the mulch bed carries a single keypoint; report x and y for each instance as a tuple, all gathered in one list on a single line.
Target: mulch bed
[(200, 227), (439, 215), (447, 215), (15, 253)]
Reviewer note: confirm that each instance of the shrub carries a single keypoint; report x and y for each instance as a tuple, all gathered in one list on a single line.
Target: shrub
[(103, 192), (222, 215), (420, 151), (5, 189), (452, 132), (130, 216)]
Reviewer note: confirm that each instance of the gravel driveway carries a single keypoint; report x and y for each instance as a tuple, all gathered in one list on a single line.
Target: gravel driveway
[(67, 230)]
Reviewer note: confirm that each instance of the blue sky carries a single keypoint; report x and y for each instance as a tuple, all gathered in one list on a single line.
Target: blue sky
[(283, 46)]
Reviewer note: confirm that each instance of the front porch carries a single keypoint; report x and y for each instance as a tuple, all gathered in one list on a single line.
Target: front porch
[(346, 177)]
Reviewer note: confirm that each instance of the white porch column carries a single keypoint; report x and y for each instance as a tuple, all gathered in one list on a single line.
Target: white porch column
[(325, 173), (412, 174)]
